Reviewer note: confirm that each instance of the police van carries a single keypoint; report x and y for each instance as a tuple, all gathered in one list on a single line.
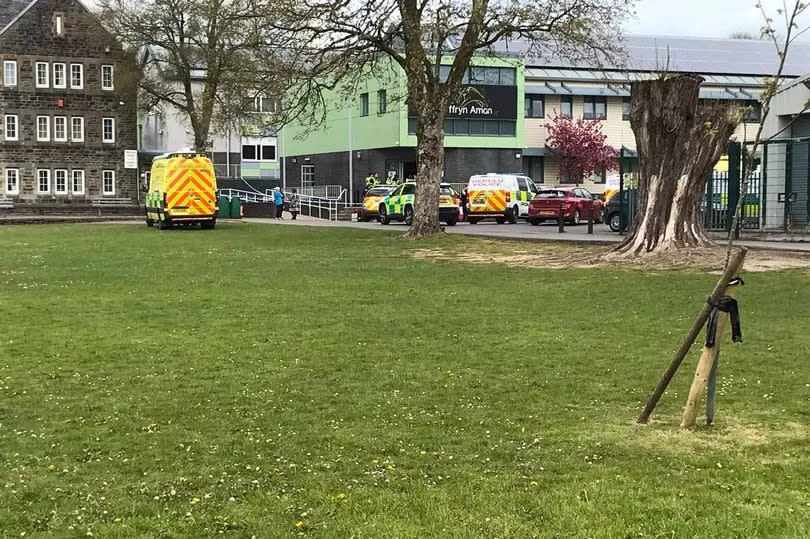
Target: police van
[(504, 197)]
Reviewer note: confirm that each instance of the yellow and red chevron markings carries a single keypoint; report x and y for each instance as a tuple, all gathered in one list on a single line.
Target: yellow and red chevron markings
[(190, 186), (496, 200)]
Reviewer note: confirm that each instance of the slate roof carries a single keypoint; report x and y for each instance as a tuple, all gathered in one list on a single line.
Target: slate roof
[(10, 10)]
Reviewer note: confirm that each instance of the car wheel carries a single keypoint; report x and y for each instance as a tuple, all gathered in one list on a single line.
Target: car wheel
[(534, 222), (615, 222), (513, 215), (408, 215), (500, 220), (150, 223), (575, 218), (452, 221), (472, 220), (208, 225), (383, 216)]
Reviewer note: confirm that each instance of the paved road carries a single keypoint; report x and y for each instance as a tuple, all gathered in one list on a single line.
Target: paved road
[(524, 231)]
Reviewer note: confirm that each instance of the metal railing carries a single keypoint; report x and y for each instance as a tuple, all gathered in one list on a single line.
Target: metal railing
[(322, 207), (313, 206)]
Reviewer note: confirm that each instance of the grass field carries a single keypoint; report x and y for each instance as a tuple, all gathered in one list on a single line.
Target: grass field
[(268, 381)]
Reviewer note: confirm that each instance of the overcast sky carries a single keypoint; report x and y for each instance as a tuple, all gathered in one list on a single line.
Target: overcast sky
[(704, 18)]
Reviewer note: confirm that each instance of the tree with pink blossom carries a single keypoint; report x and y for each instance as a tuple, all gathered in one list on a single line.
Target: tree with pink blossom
[(580, 146)]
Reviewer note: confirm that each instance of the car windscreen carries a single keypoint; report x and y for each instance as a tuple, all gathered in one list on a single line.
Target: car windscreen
[(378, 192), (552, 194), (447, 190)]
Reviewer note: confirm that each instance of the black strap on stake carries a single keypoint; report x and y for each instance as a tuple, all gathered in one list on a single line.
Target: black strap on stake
[(728, 305), (711, 389)]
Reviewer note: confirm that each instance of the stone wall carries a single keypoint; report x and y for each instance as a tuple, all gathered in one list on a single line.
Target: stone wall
[(83, 41)]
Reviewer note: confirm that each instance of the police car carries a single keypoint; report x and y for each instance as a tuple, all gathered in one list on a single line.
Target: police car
[(398, 206)]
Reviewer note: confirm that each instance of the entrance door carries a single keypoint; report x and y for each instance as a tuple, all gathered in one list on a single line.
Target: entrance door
[(533, 168), (409, 170)]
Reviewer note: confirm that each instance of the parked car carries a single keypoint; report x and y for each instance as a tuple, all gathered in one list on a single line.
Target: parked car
[(504, 197), (371, 201), (616, 213), (576, 203), (398, 206)]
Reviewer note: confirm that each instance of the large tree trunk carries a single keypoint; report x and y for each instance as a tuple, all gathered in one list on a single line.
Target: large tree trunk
[(679, 140), (429, 167)]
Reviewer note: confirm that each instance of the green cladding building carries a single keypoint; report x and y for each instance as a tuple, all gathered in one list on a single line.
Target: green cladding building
[(375, 130)]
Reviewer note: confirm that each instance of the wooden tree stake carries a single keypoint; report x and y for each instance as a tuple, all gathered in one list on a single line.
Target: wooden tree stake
[(704, 368), (719, 290)]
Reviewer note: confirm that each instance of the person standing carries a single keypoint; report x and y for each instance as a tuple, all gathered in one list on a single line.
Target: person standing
[(464, 200), (278, 198), (295, 204)]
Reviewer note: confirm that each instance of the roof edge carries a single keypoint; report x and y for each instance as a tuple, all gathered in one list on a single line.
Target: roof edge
[(19, 15)]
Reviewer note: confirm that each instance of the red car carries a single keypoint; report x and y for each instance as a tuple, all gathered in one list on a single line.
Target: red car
[(576, 203)]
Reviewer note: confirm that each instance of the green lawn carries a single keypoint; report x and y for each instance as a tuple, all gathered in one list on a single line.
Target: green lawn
[(272, 381)]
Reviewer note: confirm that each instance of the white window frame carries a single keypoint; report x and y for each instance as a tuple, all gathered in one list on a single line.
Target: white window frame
[(43, 121), (6, 65), (104, 190), (16, 190), (48, 175), (6, 118), (307, 171), (258, 143), (47, 82), (104, 67), (73, 176), (56, 189), (59, 25), (55, 131), (80, 85), (73, 138), (103, 134), (64, 75)]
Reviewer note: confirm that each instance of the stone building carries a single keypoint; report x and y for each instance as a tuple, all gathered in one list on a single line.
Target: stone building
[(67, 110)]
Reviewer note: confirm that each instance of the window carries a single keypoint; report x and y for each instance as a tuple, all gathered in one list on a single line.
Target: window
[(59, 80), (60, 182), (108, 182), (42, 74), (12, 127), (595, 108), (535, 106), (522, 185), (626, 108), (461, 127), (444, 73), (502, 76), (566, 108), (58, 24), (107, 77), (307, 175), (43, 128), (507, 76), (12, 181), (262, 104), (507, 128), (364, 104), (76, 76), (408, 189), (60, 129), (108, 130), (77, 182), (43, 181), (599, 176), (263, 149), (476, 127), (77, 129), (382, 102), (752, 112), (10, 73)]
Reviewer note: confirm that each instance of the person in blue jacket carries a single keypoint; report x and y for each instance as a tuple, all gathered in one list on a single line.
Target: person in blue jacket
[(278, 199)]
